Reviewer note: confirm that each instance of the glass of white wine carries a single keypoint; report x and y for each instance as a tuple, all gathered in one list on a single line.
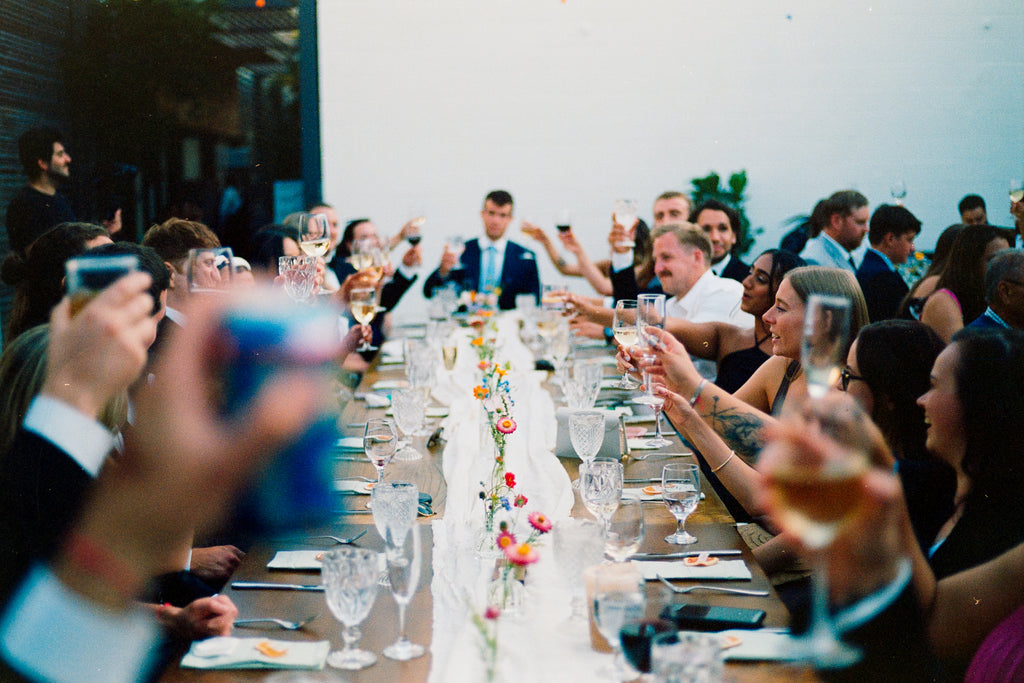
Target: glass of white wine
[(1016, 191), (823, 345), (363, 303), (815, 494), (314, 234), (624, 328)]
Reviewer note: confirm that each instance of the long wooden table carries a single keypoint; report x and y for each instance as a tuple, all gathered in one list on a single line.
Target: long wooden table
[(710, 523)]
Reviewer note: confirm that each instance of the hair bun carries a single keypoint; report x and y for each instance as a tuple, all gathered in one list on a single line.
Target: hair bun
[(15, 269)]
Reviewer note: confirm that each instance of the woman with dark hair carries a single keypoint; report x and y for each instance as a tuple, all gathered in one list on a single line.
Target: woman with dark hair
[(912, 304), (269, 244), (959, 296), (38, 277), (740, 351), (887, 369)]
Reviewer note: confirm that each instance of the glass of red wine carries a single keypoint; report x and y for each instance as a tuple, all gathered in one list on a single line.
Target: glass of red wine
[(636, 641), (563, 220)]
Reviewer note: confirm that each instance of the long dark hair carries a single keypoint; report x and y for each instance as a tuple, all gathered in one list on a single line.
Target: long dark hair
[(895, 359), (964, 274), (783, 261)]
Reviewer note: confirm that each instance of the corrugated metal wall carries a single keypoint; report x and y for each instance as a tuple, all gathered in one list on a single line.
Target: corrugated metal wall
[(31, 35)]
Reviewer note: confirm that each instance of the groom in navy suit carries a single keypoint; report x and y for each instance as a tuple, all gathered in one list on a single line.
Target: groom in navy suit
[(891, 235), (492, 262)]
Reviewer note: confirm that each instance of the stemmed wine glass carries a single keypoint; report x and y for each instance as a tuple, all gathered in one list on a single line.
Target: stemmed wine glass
[(617, 602), (680, 489), (349, 576), (404, 556), (410, 410), (363, 302), (650, 312), (625, 530), (624, 327), (601, 489), (208, 271), (380, 440), (314, 234), (898, 190), (823, 345), (586, 434), (815, 495)]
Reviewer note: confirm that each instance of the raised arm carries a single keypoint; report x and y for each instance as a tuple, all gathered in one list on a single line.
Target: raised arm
[(601, 283), (565, 268)]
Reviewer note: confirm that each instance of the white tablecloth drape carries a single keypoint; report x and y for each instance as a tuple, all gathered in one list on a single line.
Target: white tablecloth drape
[(540, 645)]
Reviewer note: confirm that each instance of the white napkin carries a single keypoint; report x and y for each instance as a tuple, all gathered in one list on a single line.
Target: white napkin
[(389, 384), (641, 445), (350, 443), (375, 400), (352, 486), (761, 645), (393, 347), (431, 412), (676, 569), (227, 652), (296, 559), (645, 495)]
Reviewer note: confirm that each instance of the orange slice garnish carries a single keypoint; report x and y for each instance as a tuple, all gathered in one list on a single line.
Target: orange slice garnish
[(651, 490), (700, 561), (731, 641), (269, 650)]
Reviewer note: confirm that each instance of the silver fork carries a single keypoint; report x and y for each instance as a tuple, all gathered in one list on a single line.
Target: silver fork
[(342, 541), (721, 589), (283, 623), (356, 477)]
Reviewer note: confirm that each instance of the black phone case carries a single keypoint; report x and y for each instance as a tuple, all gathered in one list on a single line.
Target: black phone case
[(707, 618)]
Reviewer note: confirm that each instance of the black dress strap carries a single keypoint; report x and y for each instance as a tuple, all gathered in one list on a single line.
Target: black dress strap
[(792, 370)]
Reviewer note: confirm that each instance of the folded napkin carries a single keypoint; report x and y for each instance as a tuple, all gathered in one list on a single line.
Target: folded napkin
[(350, 443), (393, 347), (761, 645), (676, 569), (389, 384), (431, 411), (227, 652), (651, 492), (374, 400), (308, 560), (641, 445), (352, 486)]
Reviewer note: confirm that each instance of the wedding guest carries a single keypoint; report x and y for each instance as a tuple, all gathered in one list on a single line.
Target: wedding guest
[(39, 206), (493, 263), (845, 224), (959, 296), (670, 208), (721, 222), (972, 210), (38, 275), (910, 307), (1004, 291), (891, 235)]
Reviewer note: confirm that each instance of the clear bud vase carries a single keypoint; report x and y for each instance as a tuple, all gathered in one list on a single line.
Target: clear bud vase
[(507, 591)]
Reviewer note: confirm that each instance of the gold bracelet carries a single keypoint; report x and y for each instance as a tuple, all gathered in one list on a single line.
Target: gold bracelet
[(732, 454)]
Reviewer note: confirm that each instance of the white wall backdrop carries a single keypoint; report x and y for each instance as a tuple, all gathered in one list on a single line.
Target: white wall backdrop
[(429, 104)]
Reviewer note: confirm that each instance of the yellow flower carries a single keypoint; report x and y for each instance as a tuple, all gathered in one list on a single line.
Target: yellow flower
[(919, 255)]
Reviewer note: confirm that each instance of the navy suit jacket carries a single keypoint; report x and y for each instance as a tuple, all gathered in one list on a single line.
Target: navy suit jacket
[(518, 274), (736, 270), (883, 288)]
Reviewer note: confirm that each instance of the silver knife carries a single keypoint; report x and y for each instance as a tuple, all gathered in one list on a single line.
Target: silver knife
[(642, 481), (675, 556), (257, 585)]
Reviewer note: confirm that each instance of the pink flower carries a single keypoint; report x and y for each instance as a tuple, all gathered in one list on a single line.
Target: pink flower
[(506, 425), (520, 501), (505, 539), (521, 554), (483, 365), (510, 480), (492, 612), (540, 522)]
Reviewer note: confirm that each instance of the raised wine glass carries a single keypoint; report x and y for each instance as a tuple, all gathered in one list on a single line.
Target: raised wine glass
[(823, 345), (601, 489), (363, 303), (349, 577), (404, 557), (650, 314), (380, 440), (680, 489), (314, 234), (815, 495), (624, 328), (625, 213)]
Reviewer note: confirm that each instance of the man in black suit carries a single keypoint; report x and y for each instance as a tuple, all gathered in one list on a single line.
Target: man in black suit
[(721, 222), (492, 263), (891, 234)]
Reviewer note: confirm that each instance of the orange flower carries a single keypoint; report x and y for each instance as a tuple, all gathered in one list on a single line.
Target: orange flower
[(480, 392), (486, 314), (479, 341)]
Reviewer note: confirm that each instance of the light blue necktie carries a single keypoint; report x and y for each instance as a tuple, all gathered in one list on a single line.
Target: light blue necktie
[(489, 281)]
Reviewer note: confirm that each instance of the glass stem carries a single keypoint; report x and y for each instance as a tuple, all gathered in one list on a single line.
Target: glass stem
[(820, 634), (657, 423), (401, 622)]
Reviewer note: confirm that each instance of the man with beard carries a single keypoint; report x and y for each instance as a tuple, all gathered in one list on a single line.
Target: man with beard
[(39, 206)]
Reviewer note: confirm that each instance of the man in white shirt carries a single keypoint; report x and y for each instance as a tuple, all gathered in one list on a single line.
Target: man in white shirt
[(846, 224), (682, 262)]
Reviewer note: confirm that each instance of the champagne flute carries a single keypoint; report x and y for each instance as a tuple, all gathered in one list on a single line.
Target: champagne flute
[(601, 489), (624, 325), (349, 577), (404, 557), (208, 271), (314, 234), (625, 530), (815, 495), (680, 489), (823, 345), (625, 213), (650, 313), (363, 303), (379, 441)]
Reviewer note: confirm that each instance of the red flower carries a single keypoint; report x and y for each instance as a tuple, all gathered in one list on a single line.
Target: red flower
[(492, 612), (510, 480), (520, 501), (505, 539), (540, 522)]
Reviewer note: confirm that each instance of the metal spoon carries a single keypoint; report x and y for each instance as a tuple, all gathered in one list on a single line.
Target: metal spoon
[(283, 623), (722, 589), (342, 541)]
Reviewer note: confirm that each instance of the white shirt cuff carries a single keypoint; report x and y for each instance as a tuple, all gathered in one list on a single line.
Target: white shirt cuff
[(622, 261), (51, 633), (80, 436)]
